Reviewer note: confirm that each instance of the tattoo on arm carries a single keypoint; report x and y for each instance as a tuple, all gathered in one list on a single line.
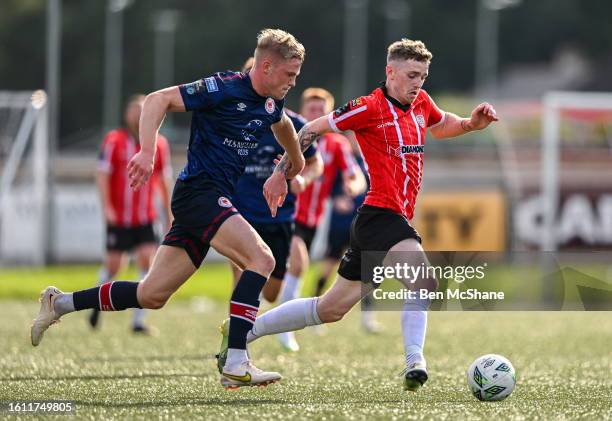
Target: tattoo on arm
[(305, 138)]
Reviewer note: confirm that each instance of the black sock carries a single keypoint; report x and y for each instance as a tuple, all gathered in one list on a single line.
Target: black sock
[(320, 285), (243, 307), (111, 296)]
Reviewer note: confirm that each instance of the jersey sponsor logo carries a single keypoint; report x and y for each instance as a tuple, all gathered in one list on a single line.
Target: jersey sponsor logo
[(421, 120), (242, 148), (224, 202), (241, 106), (194, 87), (407, 149), (270, 106), (386, 124), (211, 84)]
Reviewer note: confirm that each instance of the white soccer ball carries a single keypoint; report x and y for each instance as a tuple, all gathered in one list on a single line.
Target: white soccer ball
[(491, 377)]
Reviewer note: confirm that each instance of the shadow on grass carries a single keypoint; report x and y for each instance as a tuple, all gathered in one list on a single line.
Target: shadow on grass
[(102, 377), (148, 358), (222, 402)]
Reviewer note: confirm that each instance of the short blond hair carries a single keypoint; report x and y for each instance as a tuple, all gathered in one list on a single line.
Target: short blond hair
[(281, 43), (407, 49), (318, 93)]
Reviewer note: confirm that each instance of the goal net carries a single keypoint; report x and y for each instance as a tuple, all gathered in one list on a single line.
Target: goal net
[(23, 177), (556, 155)]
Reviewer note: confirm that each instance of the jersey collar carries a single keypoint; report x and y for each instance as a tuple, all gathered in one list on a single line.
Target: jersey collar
[(395, 102)]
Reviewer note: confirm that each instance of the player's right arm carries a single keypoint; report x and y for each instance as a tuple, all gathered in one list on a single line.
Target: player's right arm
[(154, 110), (275, 187)]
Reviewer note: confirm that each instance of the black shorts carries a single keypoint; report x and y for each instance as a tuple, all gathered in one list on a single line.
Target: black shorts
[(278, 237), (306, 233), (373, 229), (198, 210), (128, 238), (337, 242)]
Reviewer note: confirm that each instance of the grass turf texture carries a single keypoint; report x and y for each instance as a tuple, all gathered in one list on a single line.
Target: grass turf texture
[(563, 362)]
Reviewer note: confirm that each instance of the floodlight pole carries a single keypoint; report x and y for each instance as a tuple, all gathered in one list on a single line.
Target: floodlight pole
[(164, 25), (355, 48), (487, 44), (397, 15), (52, 86), (113, 54)]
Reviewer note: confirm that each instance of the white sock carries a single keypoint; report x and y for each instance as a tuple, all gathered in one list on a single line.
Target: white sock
[(63, 304), (236, 357), (291, 288), (138, 317), (292, 315), (414, 327), (139, 313)]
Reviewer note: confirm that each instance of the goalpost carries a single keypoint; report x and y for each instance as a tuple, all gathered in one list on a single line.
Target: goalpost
[(554, 105), (24, 163)]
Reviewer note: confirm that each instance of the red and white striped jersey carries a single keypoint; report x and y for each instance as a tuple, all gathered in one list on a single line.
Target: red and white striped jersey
[(337, 155), (133, 208), (392, 141)]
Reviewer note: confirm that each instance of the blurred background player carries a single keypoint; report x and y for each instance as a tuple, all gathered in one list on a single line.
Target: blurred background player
[(129, 215), (250, 202), (343, 210), (335, 149)]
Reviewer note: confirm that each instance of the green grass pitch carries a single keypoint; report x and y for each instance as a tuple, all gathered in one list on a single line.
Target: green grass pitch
[(563, 362)]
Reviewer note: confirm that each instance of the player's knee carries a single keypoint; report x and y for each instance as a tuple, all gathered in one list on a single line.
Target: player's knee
[(263, 263)]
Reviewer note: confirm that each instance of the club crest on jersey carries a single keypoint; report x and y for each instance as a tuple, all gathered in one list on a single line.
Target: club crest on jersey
[(270, 106), (421, 120), (224, 202)]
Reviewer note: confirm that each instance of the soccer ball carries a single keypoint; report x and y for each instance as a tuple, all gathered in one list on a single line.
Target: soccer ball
[(491, 378)]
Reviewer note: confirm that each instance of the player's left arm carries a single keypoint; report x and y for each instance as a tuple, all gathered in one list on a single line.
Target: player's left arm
[(452, 125), (275, 187)]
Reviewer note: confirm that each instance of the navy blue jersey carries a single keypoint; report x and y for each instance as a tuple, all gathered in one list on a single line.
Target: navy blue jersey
[(249, 199), (229, 118), (342, 221)]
